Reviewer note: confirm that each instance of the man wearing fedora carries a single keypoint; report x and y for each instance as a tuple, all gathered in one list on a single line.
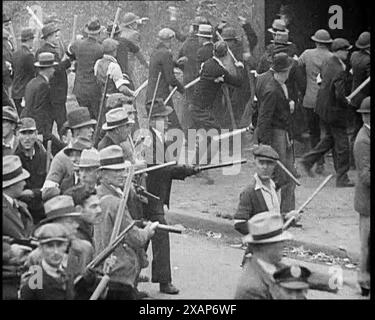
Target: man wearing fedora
[(118, 132), (108, 65), (266, 239), (274, 125), (88, 168), (159, 183), (161, 60), (311, 60), (34, 159), (362, 196), (126, 46), (332, 109), (59, 81), (17, 221), (23, 68), (361, 66), (38, 99), (10, 124), (86, 52), (62, 174), (80, 123), (129, 261)]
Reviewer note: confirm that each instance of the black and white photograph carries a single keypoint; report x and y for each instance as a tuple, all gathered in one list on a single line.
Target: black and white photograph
[(207, 150)]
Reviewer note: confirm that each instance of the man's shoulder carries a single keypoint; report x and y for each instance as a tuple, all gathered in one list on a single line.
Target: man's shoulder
[(250, 187)]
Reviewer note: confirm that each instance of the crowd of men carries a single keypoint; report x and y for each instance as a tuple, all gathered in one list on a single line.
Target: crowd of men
[(62, 192)]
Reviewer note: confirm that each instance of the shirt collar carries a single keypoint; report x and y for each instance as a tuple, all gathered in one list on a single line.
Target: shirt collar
[(10, 200), (52, 271), (44, 77), (367, 126), (109, 57), (259, 184)]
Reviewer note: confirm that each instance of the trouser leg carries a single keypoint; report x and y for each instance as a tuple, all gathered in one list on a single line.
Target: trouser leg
[(341, 153), (364, 265), (59, 115), (314, 129)]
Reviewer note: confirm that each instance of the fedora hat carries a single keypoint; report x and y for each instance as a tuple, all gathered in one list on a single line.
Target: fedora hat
[(27, 124), (281, 62), (48, 29), (112, 157), (93, 27), (13, 171), (78, 118), (130, 18), (277, 26), (266, 227), (265, 152), (205, 31), (229, 33), (78, 144), (293, 277), (46, 60), (159, 109), (59, 207), (116, 118), (363, 41), (365, 106), (51, 232), (89, 159), (322, 36), (281, 37), (27, 34), (10, 114)]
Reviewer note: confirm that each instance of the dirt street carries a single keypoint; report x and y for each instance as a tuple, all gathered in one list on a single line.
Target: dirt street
[(204, 268)]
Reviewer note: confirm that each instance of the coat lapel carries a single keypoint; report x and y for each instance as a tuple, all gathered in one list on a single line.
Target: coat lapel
[(11, 214)]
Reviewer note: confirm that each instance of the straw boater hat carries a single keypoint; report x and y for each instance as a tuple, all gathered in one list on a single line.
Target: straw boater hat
[(112, 157), (281, 37), (116, 118), (205, 31), (277, 26), (322, 36), (78, 118), (266, 227), (89, 159), (51, 232), (13, 171), (229, 33), (59, 207), (293, 277), (46, 60)]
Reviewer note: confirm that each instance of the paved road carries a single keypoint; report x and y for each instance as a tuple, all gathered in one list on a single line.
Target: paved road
[(204, 268)]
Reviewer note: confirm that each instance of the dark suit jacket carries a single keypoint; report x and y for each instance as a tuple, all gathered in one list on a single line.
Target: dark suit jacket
[(59, 81), (125, 46), (162, 61), (23, 71), (159, 182), (331, 105), (251, 203), (13, 226), (362, 155), (361, 63), (207, 89), (38, 102), (274, 111)]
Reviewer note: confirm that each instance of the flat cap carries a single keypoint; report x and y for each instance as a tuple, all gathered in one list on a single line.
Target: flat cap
[(266, 152), (110, 45), (27, 124), (340, 44)]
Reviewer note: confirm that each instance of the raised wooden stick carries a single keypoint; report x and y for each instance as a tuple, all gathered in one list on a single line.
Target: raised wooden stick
[(115, 22), (140, 88), (163, 165), (320, 187), (74, 29), (288, 172), (358, 89), (225, 89), (154, 97), (187, 86), (49, 153)]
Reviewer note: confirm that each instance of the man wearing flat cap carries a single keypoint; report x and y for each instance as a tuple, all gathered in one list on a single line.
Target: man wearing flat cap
[(17, 221), (86, 52), (38, 100), (332, 109), (10, 124), (311, 60), (59, 81), (362, 195), (33, 158), (274, 125), (23, 68), (161, 60)]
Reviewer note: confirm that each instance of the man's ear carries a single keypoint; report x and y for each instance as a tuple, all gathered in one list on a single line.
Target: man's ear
[(79, 208)]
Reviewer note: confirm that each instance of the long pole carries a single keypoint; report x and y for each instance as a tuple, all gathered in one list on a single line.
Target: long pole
[(75, 18), (229, 105), (160, 166), (115, 22), (187, 86), (320, 187), (285, 169), (140, 88), (358, 89), (154, 97)]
